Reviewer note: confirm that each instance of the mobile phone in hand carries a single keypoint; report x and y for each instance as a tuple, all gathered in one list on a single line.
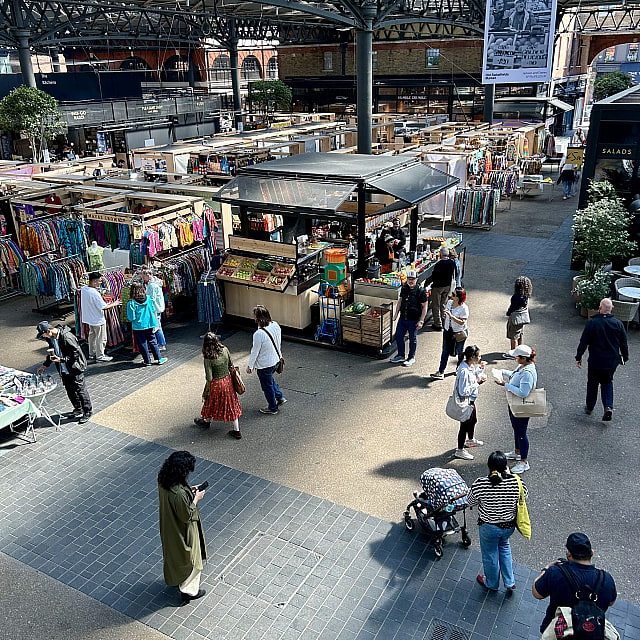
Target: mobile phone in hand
[(203, 486)]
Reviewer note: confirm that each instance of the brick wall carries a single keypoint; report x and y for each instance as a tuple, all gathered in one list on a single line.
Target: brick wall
[(392, 58)]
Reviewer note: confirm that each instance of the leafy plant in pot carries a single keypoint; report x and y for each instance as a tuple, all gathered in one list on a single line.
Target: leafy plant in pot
[(601, 230), (591, 290)]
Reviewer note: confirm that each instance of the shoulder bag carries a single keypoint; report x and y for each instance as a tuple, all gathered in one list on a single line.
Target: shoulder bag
[(458, 408), (236, 379), (280, 367), (533, 406), (521, 316), (523, 523)]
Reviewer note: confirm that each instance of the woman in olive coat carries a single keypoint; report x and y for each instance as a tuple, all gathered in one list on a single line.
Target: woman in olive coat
[(183, 544)]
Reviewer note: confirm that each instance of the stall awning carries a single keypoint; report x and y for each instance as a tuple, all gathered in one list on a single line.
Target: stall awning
[(559, 104), (277, 193), (415, 183)]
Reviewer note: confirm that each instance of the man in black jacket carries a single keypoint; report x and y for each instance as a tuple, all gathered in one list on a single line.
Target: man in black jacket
[(441, 282), (606, 339), (71, 364)]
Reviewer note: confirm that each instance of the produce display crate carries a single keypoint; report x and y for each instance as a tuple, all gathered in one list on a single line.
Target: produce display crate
[(378, 324), (351, 335), (234, 264), (351, 320), (376, 339)]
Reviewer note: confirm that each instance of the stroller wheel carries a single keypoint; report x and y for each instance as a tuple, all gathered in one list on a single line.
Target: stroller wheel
[(437, 549), (409, 523), (466, 540)]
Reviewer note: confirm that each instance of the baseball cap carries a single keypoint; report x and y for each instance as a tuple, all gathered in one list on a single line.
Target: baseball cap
[(522, 350), (388, 237), (578, 544), (412, 273), (43, 327)]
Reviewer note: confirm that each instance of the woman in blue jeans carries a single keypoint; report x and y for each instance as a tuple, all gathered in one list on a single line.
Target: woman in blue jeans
[(265, 358), (496, 497), (520, 382)]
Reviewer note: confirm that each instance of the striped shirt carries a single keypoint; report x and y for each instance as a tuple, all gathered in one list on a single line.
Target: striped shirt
[(496, 504)]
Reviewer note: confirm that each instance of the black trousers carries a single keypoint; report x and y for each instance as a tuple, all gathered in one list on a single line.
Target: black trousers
[(76, 389)]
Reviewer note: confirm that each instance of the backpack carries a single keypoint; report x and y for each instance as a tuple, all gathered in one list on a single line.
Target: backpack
[(588, 619)]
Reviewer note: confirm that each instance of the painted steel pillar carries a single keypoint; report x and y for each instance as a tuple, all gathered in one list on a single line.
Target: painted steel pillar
[(24, 55), (364, 79), (235, 75), (55, 60), (489, 95)]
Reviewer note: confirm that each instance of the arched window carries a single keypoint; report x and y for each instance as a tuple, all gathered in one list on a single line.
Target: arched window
[(251, 69), (175, 69), (272, 68), (221, 69), (134, 63)]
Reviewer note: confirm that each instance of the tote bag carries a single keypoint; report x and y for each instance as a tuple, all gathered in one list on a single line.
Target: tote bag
[(523, 523), (520, 317), (458, 408), (533, 406)]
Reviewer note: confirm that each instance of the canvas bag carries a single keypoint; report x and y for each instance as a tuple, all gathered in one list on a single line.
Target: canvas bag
[(521, 316), (523, 522), (458, 408), (533, 406), (236, 379)]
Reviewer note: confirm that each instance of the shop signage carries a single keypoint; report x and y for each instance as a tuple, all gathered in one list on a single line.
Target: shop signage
[(107, 217), (518, 40), (152, 108), (280, 125), (617, 151), (78, 115), (575, 156)]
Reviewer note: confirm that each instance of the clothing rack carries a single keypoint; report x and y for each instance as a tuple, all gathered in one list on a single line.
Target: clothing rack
[(180, 254), (11, 257)]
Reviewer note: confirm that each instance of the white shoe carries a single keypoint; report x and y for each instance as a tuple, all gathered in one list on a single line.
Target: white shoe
[(397, 359), (104, 359), (473, 442), (410, 362), (520, 467), (162, 348), (512, 455), (564, 197), (437, 375), (462, 454)]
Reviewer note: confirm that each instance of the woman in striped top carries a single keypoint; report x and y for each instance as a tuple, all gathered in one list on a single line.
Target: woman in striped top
[(496, 497)]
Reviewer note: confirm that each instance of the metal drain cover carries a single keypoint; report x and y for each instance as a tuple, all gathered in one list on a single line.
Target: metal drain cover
[(441, 630)]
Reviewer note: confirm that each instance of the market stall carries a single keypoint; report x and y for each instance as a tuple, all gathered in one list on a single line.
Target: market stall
[(285, 205)]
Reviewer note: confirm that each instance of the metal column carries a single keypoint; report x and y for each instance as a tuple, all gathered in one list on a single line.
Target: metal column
[(489, 95), (24, 55), (55, 60), (364, 79), (361, 269), (235, 75)]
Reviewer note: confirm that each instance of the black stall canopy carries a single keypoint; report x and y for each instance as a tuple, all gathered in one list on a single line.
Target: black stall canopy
[(317, 184)]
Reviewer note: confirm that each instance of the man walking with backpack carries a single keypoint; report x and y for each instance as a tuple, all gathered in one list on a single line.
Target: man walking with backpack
[(560, 581)]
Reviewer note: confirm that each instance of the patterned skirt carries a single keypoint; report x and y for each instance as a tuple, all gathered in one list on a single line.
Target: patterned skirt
[(222, 404)]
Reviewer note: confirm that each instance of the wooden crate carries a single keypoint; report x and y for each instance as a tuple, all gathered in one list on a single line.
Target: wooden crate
[(377, 325), (351, 320), (351, 335), (378, 340)]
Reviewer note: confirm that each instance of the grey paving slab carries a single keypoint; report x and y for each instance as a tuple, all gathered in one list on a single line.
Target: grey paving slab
[(91, 524)]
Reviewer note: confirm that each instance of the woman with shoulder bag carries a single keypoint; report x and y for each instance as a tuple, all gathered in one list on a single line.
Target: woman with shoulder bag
[(518, 312), (521, 382), (220, 398), (456, 314), (266, 358), (469, 377), (496, 497)]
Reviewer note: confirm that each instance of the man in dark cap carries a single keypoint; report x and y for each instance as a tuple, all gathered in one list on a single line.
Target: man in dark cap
[(552, 583), (71, 364), (385, 251)]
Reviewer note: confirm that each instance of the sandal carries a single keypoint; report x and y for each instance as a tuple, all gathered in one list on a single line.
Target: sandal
[(235, 434), (202, 423)]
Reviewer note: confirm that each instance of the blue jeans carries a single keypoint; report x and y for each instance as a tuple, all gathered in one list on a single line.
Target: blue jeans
[(458, 349), (269, 386), (496, 555), (566, 188), (602, 378), (401, 329), (520, 434), (146, 340), (162, 341)]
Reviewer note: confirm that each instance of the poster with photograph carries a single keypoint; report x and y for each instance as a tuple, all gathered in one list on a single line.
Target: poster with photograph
[(518, 41)]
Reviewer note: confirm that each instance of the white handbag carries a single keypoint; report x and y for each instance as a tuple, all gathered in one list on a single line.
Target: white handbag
[(458, 408)]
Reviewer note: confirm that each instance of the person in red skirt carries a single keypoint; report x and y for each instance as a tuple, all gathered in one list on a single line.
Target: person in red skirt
[(220, 398)]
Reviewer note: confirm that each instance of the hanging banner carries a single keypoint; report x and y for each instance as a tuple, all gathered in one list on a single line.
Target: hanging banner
[(518, 41)]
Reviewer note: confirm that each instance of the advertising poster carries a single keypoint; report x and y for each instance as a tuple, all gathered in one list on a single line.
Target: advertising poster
[(518, 41)]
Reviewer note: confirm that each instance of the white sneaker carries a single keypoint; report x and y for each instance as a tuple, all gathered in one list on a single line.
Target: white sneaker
[(520, 467), (512, 455), (397, 359), (105, 359), (437, 375), (473, 442), (463, 455), (410, 362)]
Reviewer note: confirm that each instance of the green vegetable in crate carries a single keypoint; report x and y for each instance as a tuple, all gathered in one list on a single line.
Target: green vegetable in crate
[(360, 307), (264, 265)]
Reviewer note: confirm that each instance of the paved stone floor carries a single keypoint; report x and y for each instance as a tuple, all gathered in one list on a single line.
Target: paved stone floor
[(80, 507)]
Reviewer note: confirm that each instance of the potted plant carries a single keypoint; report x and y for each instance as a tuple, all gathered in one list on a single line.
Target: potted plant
[(591, 290), (601, 230)]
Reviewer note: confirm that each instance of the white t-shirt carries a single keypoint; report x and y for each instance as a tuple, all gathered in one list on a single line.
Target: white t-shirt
[(263, 353), (91, 306), (461, 312)]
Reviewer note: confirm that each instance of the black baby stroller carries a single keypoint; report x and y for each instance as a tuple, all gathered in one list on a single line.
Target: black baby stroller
[(444, 494)]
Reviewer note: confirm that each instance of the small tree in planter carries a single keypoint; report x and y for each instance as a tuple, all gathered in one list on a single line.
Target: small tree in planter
[(601, 229), (592, 289)]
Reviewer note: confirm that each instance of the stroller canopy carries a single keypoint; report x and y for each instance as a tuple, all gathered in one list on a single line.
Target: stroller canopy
[(444, 487)]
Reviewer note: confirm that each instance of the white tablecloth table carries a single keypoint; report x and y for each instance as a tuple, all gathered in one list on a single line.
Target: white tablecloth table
[(632, 269), (12, 416)]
